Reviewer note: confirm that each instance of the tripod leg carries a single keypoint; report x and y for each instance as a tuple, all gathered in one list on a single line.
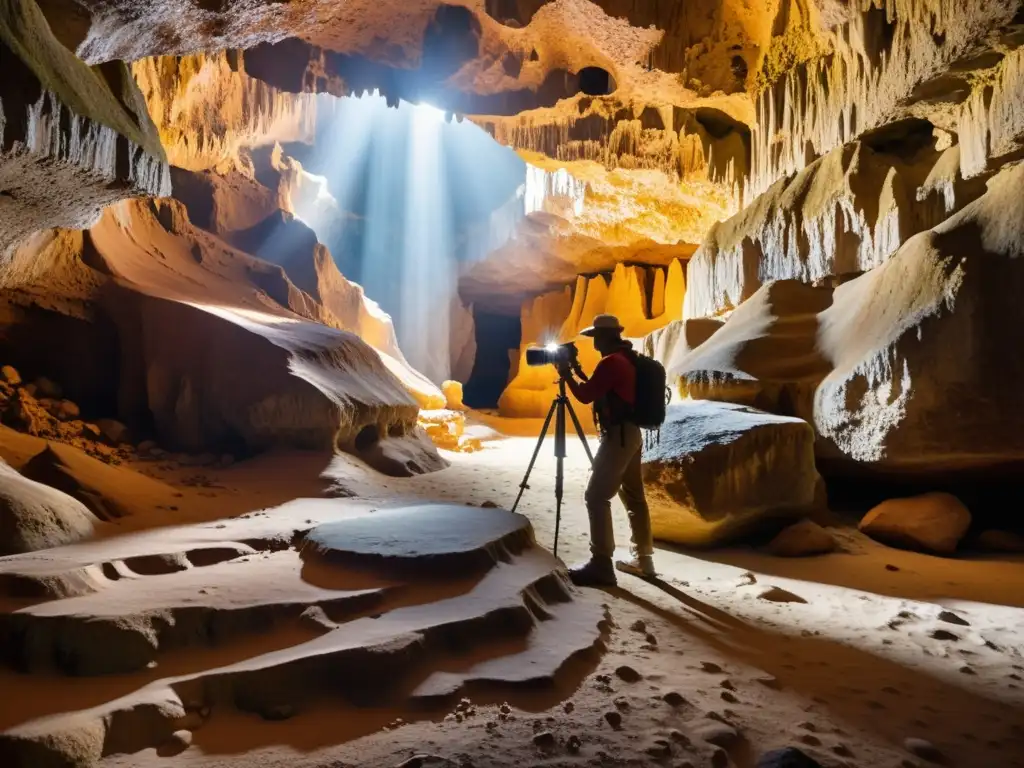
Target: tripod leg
[(540, 441), (580, 432), (559, 474)]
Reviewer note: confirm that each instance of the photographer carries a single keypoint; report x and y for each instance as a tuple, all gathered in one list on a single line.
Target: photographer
[(612, 390)]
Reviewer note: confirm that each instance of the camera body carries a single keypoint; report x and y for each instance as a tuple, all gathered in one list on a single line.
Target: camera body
[(551, 354)]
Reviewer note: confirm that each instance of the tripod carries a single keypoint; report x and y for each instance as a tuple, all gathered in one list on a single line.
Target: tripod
[(559, 406)]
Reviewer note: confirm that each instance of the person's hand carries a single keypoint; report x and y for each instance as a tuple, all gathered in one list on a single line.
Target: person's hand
[(564, 371)]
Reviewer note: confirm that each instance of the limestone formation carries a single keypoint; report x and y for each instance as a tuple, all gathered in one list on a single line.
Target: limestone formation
[(720, 470), (909, 340), (34, 516), (934, 522), (643, 300), (764, 355), (477, 582), (73, 138)]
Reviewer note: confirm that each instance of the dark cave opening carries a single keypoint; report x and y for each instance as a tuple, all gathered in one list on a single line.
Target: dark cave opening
[(497, 340)]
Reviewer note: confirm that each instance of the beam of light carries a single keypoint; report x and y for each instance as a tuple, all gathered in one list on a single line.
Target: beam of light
[(428, 272), (404, 199)]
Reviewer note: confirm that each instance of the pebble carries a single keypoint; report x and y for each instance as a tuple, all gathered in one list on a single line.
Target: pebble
[(659, 749), (787, 757), (780, 595), (951, 618), (614, 718), (679, 737), (923, 749), (891, 567), (943, 634), (638, 626), (717, 733), (711, 667), (628, 674), (729, 697), (574, 744), (544, 739), (727, 684), (651, 639), (673, 699), (769, 681), (568, 707)]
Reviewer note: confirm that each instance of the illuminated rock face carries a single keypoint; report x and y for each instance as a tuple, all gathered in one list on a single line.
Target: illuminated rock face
[(73, 138)]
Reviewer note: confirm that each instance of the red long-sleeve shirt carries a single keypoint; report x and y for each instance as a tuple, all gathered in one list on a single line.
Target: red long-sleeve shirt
[(615, 373)]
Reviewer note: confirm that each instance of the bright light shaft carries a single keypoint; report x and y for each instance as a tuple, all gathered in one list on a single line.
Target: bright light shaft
[(429, 272)]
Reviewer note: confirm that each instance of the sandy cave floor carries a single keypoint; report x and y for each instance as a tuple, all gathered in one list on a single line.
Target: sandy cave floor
[(863, 664)]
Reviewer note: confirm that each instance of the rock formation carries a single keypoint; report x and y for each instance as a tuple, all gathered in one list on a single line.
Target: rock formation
[(719, 471), (34, 516), (73, 138), (438, 577)]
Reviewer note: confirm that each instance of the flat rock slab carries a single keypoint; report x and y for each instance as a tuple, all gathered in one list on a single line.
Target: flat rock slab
[(427, 539)]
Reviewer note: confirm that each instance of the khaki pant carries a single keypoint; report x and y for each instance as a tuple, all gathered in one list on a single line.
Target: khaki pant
[(617, 470)]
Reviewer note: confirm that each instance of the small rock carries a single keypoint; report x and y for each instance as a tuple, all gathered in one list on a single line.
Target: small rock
[(573, 744), (673, 699), (951, 618), (614, 718), (10, 375), (651, 639), (425, 761), (727, 684), (47, 388), (788, 757), (68, 410), (176, 744), (489, 505), (729, 697), (842, 750), (91, 431), (679, 737), (568, 707), (638, 626), (280, 712), (891, 567), (966, 670), (114, 431), (710, 666), (943, 634), (719, 759), (802, 539), (628, 674), (779, 595), (922, 749), (747, 579), (933, 522), (769, 681), (810, 739), (544, 739), (621, 704), (716, 732), (660, 748), (505, 709)]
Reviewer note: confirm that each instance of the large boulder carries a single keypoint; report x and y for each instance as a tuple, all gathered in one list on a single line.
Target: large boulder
[(933, 522), (721, 470), (34, 517)]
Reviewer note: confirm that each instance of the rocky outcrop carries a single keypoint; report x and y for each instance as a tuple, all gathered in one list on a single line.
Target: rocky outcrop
[(387, 643), (73, 138), (920, 378), (765, 354), (840, 216), (182, 93), (721, 470), (34, 516), (218, 350)]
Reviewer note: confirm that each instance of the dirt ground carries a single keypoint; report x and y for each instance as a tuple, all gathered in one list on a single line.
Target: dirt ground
[(870, 656)]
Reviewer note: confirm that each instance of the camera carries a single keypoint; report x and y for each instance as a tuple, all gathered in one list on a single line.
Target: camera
[(551, 354)]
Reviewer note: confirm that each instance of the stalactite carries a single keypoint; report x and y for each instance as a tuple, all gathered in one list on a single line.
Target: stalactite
[(992, 122), (877, 59), (183, 94)]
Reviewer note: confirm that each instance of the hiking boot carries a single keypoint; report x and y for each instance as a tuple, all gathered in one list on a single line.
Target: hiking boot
[(596, 572), (642, 566)]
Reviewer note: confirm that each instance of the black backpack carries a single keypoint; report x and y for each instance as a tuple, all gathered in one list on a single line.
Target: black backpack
[(652, 392)]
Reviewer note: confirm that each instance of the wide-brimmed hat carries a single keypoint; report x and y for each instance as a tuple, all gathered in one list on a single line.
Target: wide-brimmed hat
[(603, 323)]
